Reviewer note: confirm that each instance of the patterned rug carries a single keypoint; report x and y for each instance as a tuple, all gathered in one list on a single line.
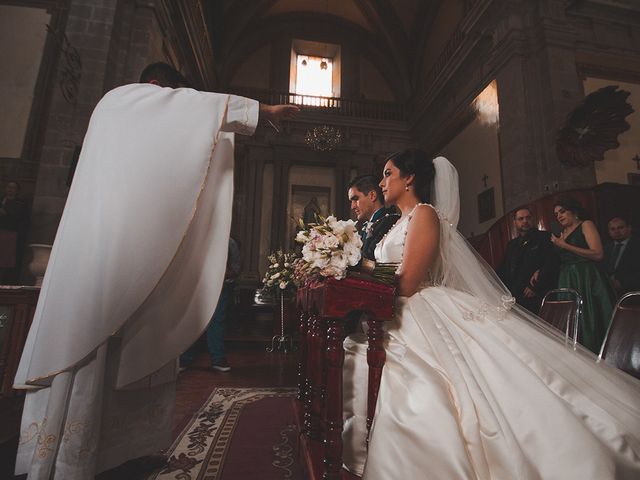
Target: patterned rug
[(239, 433)]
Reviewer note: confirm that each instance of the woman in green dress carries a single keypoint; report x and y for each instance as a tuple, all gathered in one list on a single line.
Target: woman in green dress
[(580, 248)]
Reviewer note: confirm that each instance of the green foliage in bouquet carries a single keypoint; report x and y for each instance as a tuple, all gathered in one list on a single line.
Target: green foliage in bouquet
[(279, 279)]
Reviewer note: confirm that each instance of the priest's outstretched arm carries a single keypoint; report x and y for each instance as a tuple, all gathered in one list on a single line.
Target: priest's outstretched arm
[(244, 113)]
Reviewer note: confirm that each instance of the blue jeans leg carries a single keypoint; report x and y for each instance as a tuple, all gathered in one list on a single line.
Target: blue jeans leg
[(215, 330)]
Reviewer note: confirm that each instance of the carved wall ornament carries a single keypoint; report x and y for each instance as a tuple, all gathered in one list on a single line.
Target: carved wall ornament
[(70, 71), (593, 127)]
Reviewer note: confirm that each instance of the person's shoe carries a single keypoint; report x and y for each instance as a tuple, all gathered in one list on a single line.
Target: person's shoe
[(221, 365)]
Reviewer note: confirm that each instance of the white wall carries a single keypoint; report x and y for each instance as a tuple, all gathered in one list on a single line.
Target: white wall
[(475, 152)]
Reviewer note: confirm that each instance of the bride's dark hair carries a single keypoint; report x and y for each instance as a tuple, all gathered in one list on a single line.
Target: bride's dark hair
[(416, 162)]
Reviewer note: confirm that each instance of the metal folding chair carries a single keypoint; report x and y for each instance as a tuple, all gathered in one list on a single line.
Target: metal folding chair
[(621, 345), (562, 308)]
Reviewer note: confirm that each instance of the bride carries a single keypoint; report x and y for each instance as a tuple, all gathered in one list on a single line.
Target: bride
[(474, 387)]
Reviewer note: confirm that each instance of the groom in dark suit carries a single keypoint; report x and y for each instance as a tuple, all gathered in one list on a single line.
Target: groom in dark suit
[(367, 203), (375, 220), (622, 256)]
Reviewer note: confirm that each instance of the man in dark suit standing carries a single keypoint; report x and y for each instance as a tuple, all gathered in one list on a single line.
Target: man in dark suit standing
[(528, 268), (366, 201), (622, 256)]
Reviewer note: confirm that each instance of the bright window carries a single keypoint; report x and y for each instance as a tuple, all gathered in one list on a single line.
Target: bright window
[(314, 77)]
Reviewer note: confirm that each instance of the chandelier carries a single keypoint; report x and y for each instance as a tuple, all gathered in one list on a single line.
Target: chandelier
[(323, 138)]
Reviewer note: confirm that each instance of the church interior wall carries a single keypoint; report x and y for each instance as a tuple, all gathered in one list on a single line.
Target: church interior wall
[(535, 53), (23, 35), (373, 86), (475, 153), (254, 72), (359, 76), (617, 164), (443, 25)]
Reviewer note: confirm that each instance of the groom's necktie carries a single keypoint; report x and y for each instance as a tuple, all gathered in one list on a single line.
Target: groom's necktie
[(616, 253)]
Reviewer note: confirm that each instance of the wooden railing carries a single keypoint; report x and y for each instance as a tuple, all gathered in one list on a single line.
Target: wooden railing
[(370, 109)]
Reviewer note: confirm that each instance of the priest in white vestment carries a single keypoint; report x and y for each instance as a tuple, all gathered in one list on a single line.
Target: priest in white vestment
[(134, 275)]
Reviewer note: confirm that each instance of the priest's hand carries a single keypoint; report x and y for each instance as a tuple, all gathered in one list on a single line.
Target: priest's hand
[(274, 114)]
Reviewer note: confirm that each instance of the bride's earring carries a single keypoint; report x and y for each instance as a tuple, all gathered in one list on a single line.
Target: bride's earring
[(406, 188)]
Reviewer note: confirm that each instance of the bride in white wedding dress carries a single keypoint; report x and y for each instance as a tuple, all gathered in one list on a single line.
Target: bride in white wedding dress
[(474, 387)]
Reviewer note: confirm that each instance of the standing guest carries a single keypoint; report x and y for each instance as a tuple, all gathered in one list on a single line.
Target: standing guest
[(622, 256), (134, 274), (217, 325), (367, 203), (14, 215), (580, 250), (527, 269)]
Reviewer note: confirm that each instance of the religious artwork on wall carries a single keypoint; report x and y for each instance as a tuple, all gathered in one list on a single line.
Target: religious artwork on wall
[(593, 127), (486, 205), (306, 202)]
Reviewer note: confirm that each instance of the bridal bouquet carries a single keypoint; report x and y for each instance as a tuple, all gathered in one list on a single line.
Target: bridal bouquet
[(279, 278), (330, 246)]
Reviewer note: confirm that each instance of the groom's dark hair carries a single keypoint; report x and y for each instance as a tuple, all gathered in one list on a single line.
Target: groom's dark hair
[(366, 184)]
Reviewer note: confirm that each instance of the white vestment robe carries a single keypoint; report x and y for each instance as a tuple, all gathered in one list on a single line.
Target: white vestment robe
[(134, 275)]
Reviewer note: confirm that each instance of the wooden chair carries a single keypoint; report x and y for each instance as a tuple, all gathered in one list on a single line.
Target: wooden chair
[(561, 308), (621, 345)]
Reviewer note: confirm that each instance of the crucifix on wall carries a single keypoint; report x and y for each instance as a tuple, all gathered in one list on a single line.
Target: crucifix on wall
[(485, 177), (637, 160)]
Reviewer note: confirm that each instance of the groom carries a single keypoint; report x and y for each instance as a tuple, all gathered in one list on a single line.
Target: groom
[(366, 200)]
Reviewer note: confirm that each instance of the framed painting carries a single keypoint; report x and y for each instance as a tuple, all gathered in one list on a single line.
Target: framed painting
[(486, 205), (307, 201), (633, 178)]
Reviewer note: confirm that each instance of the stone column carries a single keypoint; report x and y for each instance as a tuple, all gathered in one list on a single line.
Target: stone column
[(281, 165), (538, 86), (248, 209), (79, 79)]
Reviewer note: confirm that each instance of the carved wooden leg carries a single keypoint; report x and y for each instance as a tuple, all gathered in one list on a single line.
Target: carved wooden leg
[(315, 368), (375, 358), (302, 355), (303, 381), (333, 422)]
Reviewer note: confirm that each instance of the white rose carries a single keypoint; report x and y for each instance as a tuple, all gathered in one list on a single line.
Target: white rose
[(331, 242), (302, 236), (283, 285), (336, 226), (339, 261), (275, 275)]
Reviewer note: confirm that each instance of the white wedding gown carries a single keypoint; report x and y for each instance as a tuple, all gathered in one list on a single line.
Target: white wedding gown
[(471, 390)]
